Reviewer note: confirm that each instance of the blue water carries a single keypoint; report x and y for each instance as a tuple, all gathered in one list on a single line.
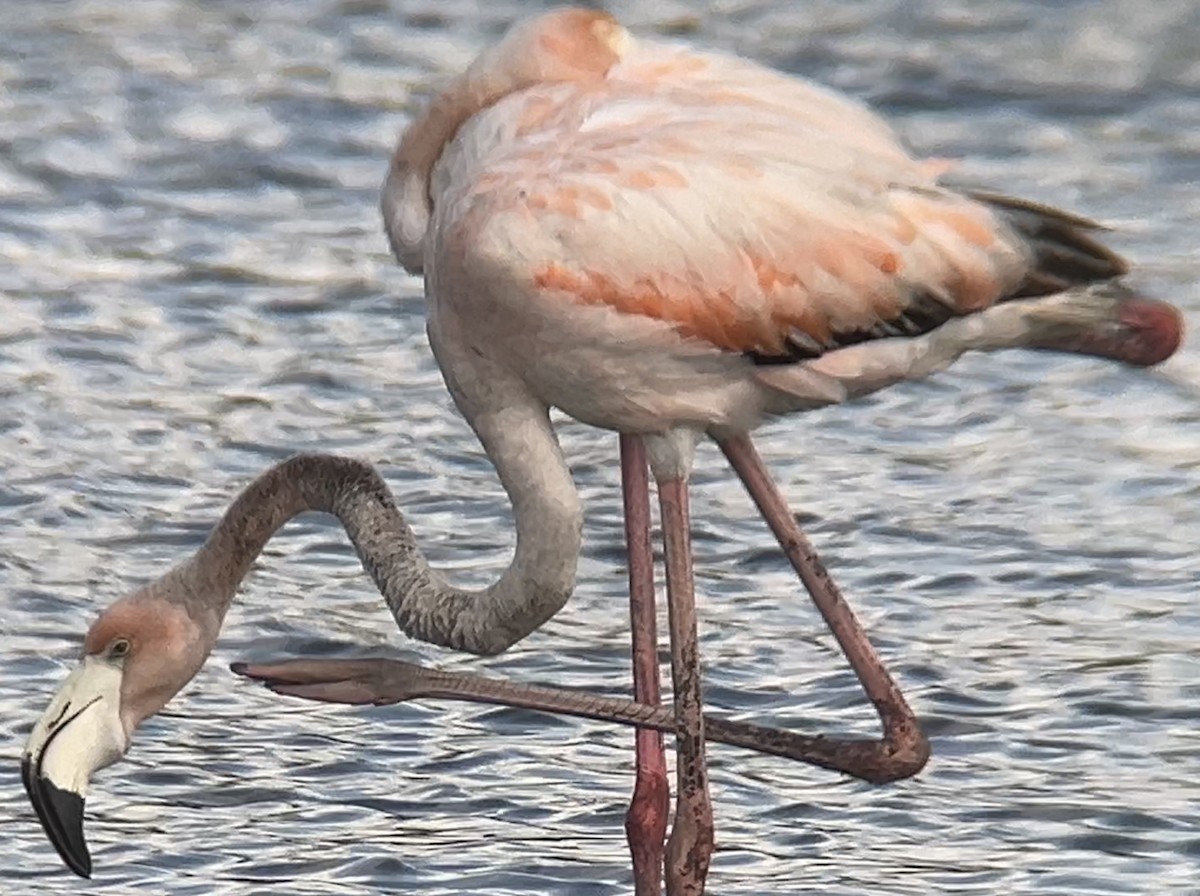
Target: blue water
[(193, 283)]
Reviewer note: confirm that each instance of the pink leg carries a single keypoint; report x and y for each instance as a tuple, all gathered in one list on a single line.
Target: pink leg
[(690, 847), (904, 748), (646, 820)]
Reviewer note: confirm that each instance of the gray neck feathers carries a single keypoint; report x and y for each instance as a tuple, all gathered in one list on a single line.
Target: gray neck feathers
[(426, 607)]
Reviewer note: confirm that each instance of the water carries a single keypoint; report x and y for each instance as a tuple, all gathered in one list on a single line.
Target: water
[(194, 283)]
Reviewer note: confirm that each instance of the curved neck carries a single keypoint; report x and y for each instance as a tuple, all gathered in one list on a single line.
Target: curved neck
[(563, 45), (536, 584)]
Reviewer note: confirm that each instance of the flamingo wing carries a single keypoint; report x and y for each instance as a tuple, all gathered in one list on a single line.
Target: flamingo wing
[(752, 211)]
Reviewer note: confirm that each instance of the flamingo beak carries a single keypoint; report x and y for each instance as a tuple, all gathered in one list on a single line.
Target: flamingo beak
[(79, 734)]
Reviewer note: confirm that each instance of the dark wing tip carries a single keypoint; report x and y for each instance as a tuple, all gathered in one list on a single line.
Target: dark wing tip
[(1065, 251)]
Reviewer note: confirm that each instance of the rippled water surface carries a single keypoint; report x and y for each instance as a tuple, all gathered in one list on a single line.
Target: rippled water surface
[(193, 283)]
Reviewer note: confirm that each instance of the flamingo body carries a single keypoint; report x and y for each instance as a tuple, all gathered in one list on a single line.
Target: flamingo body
[(633, 241)]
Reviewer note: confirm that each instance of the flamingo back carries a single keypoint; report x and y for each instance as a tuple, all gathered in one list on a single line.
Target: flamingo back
[(748, 210)]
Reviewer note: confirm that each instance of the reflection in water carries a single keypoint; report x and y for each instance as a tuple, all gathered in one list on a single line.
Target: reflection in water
[(195, 284)]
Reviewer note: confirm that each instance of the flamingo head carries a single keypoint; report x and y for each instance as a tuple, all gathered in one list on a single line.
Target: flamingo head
[(137, 655)]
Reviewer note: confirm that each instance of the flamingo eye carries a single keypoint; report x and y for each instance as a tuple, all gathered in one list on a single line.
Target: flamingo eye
[(119, 648)]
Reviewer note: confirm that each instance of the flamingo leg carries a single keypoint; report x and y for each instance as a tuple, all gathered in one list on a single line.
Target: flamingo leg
[(690, 846), (904, 747), (646, 820)]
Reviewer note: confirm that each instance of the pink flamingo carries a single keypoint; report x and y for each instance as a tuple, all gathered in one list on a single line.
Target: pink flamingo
[(669, 244)]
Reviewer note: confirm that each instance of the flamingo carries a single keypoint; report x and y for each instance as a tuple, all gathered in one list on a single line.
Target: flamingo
[(663, 242)]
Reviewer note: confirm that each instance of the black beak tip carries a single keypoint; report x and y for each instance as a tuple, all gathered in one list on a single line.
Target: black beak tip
[(61, 814)]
